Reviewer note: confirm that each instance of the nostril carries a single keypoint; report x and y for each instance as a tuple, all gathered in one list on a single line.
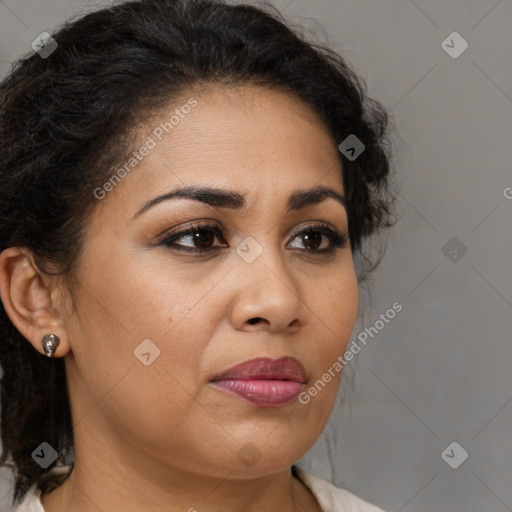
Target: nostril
[(254, 320)]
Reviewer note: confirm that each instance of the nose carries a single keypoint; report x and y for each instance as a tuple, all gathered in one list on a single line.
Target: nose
[(267, 294)]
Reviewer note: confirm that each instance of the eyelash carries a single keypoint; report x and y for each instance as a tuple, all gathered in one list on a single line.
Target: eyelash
[(337, 239)]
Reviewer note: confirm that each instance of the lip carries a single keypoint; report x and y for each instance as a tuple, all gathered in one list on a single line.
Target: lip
[(264, 381)]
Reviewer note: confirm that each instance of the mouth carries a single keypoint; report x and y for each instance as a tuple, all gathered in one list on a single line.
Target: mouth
[(264, 381)]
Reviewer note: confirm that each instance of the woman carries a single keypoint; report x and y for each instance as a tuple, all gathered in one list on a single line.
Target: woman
[(185, 186)]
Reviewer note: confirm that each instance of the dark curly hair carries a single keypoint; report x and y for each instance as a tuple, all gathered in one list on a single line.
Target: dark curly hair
[(67, 119)]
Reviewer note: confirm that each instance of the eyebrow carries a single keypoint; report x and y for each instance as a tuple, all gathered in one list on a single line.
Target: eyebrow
[(221, 198)]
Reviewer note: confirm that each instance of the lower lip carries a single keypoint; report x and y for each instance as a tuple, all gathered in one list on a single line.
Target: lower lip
[(267, 393)]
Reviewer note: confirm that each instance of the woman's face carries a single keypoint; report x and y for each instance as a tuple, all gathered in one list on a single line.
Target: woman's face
[(154, 323)]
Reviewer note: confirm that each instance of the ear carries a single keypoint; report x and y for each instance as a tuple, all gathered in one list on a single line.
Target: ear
[(31, 299)]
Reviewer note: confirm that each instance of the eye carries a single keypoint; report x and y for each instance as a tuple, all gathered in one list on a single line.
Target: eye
[(199, 238), (313, 237)]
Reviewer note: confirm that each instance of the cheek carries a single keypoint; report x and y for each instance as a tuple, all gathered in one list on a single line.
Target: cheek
[(131, 314), (102, 340), (142, 385), (133, 301), (334, 308), (335, 313)]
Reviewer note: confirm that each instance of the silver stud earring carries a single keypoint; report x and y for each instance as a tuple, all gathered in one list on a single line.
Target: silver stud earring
[(50, 343)]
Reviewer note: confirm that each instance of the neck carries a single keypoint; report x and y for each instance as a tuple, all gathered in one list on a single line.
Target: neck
[(109, 491)]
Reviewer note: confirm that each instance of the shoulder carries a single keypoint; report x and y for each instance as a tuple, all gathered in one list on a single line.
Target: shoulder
[(334, 499), (31, 502)]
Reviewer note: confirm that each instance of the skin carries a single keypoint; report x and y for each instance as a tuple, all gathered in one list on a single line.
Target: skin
[(162, 437)]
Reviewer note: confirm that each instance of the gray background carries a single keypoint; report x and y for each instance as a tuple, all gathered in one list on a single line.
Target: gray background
[(440, 370)]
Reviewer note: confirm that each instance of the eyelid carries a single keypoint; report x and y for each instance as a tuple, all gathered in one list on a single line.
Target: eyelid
[(313, 224), (183, 230)]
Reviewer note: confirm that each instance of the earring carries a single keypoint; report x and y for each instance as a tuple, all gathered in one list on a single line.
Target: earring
[(50, 343)]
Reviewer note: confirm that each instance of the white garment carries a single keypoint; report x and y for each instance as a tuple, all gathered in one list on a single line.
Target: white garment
[(329, 497)]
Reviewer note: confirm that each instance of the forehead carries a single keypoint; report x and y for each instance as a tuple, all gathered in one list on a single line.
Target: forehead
[(251, 114), (240, 138)]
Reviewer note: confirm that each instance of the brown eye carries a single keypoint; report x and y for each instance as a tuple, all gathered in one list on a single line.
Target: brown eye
[(200, 238), (313, 236), (203, 238), (312, 240)]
